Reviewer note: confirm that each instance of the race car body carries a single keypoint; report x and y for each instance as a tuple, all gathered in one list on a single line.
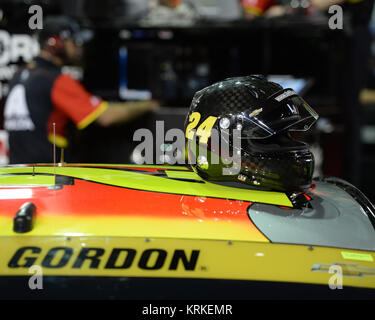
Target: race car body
[(126, 231)]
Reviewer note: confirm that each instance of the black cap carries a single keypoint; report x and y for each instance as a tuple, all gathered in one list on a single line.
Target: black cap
[(63, 26)]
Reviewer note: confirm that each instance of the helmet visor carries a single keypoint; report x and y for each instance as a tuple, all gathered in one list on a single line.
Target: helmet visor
[(285, 111)]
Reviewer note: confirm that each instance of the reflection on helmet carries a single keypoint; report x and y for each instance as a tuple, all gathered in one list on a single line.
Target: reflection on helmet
[(264, 114)]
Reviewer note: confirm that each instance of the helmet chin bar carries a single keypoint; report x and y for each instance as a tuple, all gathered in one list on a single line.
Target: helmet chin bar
[(285, 169), (288, 170)]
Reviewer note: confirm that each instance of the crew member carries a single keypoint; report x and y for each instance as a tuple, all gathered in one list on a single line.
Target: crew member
[(42, 100)]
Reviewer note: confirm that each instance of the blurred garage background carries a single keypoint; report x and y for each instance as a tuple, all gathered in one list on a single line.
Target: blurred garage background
[(142, 47)]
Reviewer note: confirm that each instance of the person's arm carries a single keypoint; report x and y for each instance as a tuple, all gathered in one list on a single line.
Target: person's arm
[(72, 99), (118, 112)]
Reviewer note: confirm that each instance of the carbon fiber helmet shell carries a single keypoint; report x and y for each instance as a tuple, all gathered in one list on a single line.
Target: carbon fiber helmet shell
[(264, 113)]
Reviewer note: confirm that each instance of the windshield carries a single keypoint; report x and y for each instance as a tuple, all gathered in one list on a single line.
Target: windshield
[(334, 219)]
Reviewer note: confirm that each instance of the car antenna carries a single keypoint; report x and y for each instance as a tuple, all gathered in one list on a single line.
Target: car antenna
[(54, 151)]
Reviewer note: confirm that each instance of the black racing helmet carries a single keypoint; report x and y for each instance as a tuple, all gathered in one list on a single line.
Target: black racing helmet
[(253, 118)]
